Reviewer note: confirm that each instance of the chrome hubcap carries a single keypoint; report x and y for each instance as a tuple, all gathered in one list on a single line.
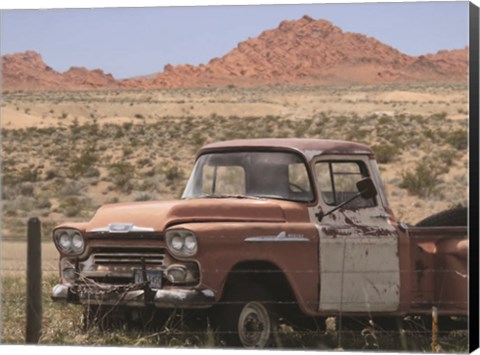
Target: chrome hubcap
[(254, 325)]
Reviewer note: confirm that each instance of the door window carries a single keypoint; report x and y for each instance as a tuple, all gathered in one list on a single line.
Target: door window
[(337, 182)]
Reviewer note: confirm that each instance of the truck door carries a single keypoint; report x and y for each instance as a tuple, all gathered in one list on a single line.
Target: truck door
[(359, 263)]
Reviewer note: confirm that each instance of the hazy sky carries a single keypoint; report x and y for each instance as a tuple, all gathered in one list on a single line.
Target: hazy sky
[(128, 42)]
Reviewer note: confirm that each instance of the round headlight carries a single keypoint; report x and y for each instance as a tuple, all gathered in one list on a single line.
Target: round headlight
[(69, 273), (77, 242), (177, 242), (69, 241), (182, 243), (65, 242), (176, 273), (190, 242)]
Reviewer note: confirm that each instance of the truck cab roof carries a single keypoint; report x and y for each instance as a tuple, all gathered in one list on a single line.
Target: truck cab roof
[(308, 147)]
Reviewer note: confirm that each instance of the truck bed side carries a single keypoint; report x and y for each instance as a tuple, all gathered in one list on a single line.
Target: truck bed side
[(438, 273)]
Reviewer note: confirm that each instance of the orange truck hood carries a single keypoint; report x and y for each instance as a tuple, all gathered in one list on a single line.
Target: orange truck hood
[(159, 215)]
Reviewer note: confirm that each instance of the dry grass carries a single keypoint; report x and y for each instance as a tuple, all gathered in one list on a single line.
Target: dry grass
[(62, 325)]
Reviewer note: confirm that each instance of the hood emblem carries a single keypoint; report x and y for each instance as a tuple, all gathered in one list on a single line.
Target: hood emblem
[(122, 228)]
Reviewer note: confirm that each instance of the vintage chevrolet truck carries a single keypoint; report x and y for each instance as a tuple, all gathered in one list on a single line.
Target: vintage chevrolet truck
[(268, 229)]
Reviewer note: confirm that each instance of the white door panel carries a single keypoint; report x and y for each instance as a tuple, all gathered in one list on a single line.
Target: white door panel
[(358, 273), (358, 251)]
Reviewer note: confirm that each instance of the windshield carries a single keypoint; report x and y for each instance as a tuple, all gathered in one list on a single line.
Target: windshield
[(279, 175)]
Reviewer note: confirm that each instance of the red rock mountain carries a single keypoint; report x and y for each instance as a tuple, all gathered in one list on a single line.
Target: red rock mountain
[(299, 52), (27, 71)]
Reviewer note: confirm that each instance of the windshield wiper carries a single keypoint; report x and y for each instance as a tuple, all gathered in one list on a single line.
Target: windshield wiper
[(274, 197), (278, 197)]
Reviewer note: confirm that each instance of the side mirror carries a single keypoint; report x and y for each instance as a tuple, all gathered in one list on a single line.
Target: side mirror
[(366, 188)]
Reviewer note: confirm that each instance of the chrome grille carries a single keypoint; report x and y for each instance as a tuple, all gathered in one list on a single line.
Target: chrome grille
[(129, 258)]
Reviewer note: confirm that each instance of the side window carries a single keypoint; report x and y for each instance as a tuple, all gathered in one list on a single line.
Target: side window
[(223, 180), (337, 182)]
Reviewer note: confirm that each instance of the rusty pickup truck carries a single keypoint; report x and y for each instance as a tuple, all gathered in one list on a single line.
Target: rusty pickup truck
[(267, 229)]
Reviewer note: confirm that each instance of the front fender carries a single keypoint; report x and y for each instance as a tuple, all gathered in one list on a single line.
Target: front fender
[(292, 248)]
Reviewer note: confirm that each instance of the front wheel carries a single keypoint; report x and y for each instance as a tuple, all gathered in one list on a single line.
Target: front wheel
[(246, 318), (255, 325)]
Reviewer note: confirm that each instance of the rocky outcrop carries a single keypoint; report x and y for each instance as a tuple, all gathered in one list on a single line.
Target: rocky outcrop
[(312, 52), (28, 72)]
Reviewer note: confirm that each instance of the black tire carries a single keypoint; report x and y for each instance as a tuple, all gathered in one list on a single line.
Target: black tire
[(246, 318), (456, 217)]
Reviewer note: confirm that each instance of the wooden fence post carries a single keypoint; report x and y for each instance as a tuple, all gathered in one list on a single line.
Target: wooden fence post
[(434, 329), (34, 282)]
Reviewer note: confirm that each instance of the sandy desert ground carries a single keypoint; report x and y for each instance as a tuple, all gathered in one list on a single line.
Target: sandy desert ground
[(66, 153)]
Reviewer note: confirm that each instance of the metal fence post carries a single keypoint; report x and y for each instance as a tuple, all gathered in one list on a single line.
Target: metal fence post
[(34, 282)]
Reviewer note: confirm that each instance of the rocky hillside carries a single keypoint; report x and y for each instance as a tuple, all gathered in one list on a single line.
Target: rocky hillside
[(28, 72), (297, 53)]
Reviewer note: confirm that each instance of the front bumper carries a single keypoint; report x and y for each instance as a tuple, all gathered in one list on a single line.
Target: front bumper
[(133, 296)]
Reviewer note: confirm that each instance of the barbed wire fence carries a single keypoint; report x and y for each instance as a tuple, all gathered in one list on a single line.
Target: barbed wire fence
[(333, 328)]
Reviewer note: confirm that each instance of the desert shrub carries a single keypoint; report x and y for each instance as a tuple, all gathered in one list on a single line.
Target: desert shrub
[(150, 183), (457, 139), (126, 151), (173, 173), (81, 164), (50, 174), (128, 125), (142, 162), (119, 133), (92, 172), (198, 139), (424, 179), (144, 197), (446, 157), (27, 175), (385, 153), (385, 120), (113, 199), (70, 188), (43, 202), (442, 116), (72, 206), (26, 189), (121, 174), (357, 134), (9, 192), (24, 203), (47, 229)]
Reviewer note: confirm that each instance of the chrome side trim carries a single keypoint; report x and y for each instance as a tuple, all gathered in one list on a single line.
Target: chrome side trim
[(281, 237)]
